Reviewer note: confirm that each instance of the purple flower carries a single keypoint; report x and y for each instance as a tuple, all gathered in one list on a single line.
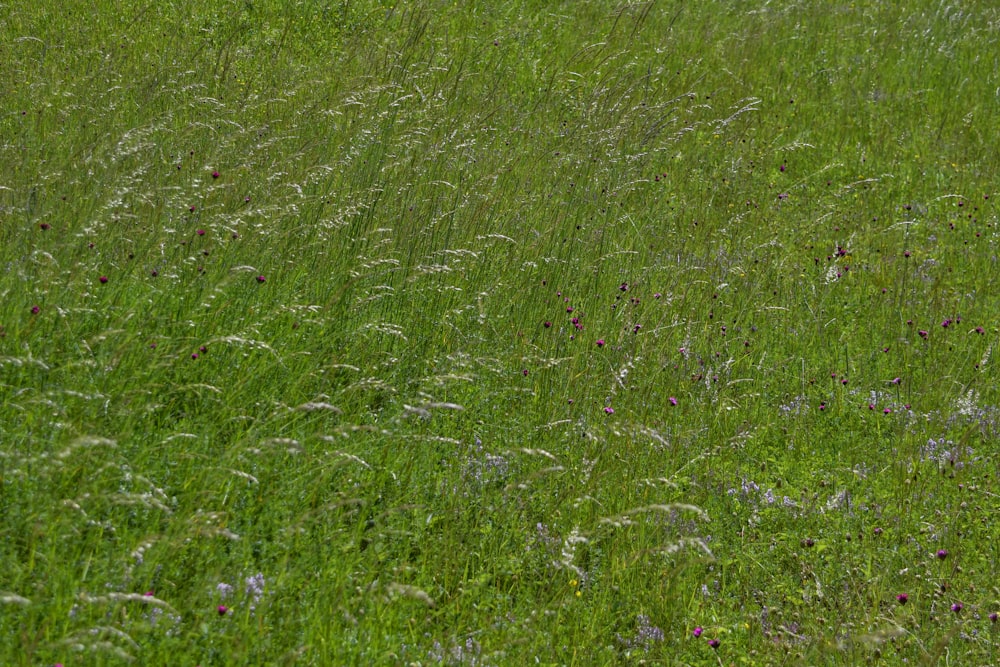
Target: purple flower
[(525, 372), (600, 342), (215, 174), (942, 554), (222, 609), (902, 598), (44, 226), (993, 617), (714, 643), (35, 310), (547, 325), (672, 400), (697, 631), (782, 167), (200, 232), (261, 279), (194, 355), (608, 410), (922, 333), (957, 607)]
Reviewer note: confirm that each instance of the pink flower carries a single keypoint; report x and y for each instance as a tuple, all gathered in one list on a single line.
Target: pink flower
[(215, 174), (673, 401), (103, 279), (697, 631), (609, 410), (222, 609), (261, 279), (600, 342)]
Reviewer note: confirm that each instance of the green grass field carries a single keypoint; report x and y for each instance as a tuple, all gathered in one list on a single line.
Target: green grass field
[(564, 333)]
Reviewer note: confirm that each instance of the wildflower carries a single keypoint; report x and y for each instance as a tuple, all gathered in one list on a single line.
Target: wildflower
[(194, 355), (200, 232), (902, 598), (44, 226), (714, 643), (261, 279), (608, 410), (569, 309), (600, 342), (672, 400), (222, 609), (657, 295), (942, 554), (957, 607), (922, 333), (782, 168), (35, 310), (887, 411), (697, 631), (547, 325), (103, 279), (525, 372), (215, 174), (623, 287), (993, 617), (191, 209)]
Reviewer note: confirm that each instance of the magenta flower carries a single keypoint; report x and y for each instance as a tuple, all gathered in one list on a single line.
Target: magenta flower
[(672, 400), (714, 643), (942, 554), (922, 333), (895, 380), (261, 279), (547, 325), (957, 607), (194, 355), (200, 232), (222, 609), (44, 226), (902, 598), (609, 410), (35, 310), (697, 631), (215, 174), (103, 279), (525, 372), (600, 342), (993, 617)]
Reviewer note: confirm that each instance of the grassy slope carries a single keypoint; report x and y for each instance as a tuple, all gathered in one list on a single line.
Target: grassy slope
[(419, 467)]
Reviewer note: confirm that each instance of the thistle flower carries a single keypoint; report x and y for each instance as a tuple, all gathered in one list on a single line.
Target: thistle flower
[(222, 609), (902, 598), (714, 643), (261, 279), (697, 631), (942, 554)]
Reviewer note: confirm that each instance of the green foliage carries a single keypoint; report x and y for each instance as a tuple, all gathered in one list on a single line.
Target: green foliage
[(438, 333)]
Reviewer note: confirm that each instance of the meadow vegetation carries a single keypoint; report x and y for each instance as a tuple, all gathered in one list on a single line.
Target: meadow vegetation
[(564, 333)]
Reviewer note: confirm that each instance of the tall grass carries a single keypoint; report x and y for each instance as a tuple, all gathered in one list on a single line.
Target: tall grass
[(571, 333)]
